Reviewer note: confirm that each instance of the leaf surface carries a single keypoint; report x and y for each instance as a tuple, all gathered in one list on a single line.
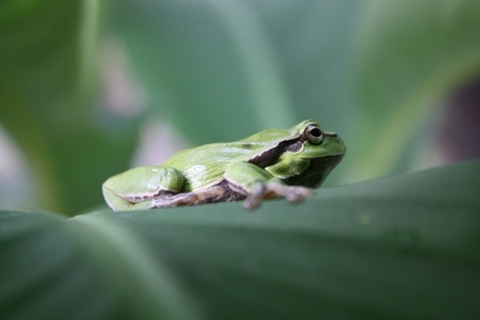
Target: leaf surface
[(399, 247)]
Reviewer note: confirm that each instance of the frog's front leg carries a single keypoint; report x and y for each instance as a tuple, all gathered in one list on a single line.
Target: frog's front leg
[(257, 184), (137, 189)]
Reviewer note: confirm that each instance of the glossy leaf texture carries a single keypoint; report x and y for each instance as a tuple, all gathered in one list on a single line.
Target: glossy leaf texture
[(401, 247)]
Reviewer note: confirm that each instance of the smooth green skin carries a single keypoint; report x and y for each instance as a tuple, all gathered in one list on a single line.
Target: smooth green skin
[(199, 175)]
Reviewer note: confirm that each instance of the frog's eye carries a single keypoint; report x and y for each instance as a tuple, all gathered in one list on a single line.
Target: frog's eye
[(314, 135)]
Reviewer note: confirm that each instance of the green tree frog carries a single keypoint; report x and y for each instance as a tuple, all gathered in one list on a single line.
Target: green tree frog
[(271, 163)]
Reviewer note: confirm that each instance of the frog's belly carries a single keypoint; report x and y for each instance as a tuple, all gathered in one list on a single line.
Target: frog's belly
[(227, 196)]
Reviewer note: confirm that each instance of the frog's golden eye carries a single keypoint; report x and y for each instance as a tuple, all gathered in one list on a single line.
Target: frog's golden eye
[(314, 135)]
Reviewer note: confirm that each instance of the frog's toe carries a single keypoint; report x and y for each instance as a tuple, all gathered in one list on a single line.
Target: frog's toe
[(291, 193), (297, 194), (273, 190), (252, 202)]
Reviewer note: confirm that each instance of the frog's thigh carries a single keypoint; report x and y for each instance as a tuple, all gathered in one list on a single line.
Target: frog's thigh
[(117, 203), (136, 188), (247, 178)]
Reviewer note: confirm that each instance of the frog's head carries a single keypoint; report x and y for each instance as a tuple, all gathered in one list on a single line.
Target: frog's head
[(309, 156), (312, 142)]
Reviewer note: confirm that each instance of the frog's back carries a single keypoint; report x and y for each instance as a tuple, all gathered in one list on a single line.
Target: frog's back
[(205, 165), (223, 153), (213, 155)]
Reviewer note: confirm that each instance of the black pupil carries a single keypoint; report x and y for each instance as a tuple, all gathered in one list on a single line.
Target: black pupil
[(316, 132)]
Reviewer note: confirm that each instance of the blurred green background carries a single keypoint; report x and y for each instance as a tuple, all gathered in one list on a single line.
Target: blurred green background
[(91, 88)]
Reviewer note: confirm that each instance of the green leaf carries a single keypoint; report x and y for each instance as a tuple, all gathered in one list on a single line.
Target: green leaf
[(402, 247)]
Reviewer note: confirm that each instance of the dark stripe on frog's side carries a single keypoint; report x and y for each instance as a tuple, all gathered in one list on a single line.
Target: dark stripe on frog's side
[(271, 156)]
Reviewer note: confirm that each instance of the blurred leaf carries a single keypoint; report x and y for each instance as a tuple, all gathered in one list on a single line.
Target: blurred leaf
[(404, 247), (206, 65), (411, 55), (315, 42), (237, 67), (47, 61)]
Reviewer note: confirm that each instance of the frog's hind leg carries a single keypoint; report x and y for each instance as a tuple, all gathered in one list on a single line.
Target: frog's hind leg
[(137, 188)]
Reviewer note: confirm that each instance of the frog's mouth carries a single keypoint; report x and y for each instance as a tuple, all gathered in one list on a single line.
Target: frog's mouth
[(316, 172)]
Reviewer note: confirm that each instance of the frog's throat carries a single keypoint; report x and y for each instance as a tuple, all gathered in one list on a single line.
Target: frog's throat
[(316, 172)]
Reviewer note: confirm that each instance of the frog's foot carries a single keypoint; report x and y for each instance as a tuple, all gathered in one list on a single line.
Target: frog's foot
[(272, 189), (189, 198)]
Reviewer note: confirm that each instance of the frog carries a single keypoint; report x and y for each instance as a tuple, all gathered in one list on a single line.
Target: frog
[(288, 163)]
